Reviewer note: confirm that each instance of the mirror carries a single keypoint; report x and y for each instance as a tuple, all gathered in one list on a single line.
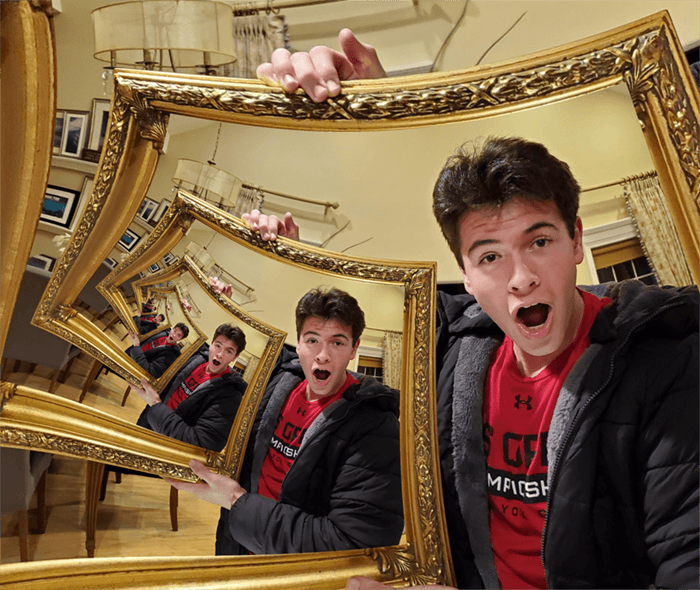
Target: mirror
[(645, 55)]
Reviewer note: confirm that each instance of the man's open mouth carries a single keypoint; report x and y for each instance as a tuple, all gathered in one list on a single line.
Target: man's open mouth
[(533, 315), (215, 362), (321, 375)]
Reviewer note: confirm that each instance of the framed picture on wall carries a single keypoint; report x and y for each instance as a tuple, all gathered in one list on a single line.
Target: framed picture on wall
[(75, 129), (170, 259), (129, 240), (111, 262), (147, 210), (155, 267), (160, 211), (98, 123), (60, 205), (58, 132), (42, 261)]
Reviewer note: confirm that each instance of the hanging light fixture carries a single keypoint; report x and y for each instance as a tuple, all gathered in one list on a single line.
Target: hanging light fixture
[(164, 34), (206, 180)]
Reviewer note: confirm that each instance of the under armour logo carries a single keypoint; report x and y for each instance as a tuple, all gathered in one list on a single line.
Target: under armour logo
[(519, 401), (300, 411)]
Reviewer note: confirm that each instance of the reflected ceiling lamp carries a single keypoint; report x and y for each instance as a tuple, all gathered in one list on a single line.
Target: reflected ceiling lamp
[(206, 180), (165, 34)]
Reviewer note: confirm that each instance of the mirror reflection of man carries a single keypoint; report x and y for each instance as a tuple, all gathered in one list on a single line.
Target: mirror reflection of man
[(158, 352), (148, 323), (199, 405), (148, 307), (321, 471), (567, 417)]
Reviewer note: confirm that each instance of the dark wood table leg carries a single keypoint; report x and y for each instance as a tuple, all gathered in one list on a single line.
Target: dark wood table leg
[(91, 376), (95, 471)]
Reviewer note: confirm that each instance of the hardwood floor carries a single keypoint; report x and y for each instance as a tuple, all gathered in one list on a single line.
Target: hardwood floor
[(133, 519)]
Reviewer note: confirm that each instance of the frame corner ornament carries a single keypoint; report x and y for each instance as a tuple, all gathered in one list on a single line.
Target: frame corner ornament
[(400, 563)]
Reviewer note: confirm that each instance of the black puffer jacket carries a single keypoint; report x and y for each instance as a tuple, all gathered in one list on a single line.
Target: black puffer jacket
[(203, 419), (144, 326), (623, 445), (343, 491), (156, 360)]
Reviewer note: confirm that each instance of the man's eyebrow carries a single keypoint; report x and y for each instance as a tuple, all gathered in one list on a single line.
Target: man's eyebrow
[(312, 333), (540, 224), (533, 228), (479, 243)]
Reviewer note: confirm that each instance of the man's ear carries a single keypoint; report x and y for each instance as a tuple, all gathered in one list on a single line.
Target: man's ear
[(354, 349), (578, 241), (467, 284)]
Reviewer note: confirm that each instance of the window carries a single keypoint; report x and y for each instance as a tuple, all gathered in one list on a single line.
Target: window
[(623, 260), (372, 366)]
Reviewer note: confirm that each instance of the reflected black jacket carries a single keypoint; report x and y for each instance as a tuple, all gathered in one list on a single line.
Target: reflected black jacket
[(343, 491), (204, 418), (622, 507), (156, 360), (144, 326)]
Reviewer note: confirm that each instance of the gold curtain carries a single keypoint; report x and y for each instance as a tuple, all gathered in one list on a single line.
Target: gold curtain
[(250, 368), (249, 198), (656, 231), (391, 363), (256, 37)]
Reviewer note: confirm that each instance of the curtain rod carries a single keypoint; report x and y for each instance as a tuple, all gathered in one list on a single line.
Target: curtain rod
[(624, 180), (325, 204), (240, 8), (382, 330)]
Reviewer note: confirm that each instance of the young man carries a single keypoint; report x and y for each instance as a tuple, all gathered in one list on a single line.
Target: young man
[(199, 405), (582, 469), (158, 352), (148, 307), (148, 323), (321, 471)]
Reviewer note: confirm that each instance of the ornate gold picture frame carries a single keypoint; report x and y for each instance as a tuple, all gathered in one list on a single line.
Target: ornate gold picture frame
[(646, 55)]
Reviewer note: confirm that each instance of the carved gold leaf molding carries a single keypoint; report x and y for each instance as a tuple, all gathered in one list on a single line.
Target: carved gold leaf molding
[(23, 438)]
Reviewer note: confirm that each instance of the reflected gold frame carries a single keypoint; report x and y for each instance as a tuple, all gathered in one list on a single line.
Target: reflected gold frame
[(646, 55)]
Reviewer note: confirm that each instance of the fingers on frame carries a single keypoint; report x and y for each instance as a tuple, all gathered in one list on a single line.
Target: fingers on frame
[(308, 77), (283, 70)]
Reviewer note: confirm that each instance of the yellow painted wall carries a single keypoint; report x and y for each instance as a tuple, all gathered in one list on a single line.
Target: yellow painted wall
[(384, 180)]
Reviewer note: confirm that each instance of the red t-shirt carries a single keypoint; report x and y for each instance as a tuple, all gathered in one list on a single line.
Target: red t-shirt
[(197, 377), (292, 423), (156, 343), (517, 414)]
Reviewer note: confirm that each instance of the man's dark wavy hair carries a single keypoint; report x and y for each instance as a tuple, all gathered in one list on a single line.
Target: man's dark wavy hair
[(183, 328), (331, 304), (490, 173), (161, 316), (233, 333)]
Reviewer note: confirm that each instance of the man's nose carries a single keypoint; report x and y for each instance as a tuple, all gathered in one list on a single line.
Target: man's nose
[(323, 354), (523, 277)]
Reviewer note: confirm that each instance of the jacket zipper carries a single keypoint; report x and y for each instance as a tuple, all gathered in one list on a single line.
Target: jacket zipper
[(580, 413)]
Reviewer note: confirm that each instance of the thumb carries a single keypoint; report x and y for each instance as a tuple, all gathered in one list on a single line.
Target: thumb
[(291, 229), (363, 57), (200, 470)]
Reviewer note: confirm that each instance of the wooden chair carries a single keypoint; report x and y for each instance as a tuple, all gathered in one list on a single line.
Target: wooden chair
[(95, 490), (22, 473), (28, 343)]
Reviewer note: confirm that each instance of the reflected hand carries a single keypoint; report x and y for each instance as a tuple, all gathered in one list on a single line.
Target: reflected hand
[(361, 583), (217, 489), (271, 226), (220, 287), (134, 339), (320, 71), (147, 394)]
